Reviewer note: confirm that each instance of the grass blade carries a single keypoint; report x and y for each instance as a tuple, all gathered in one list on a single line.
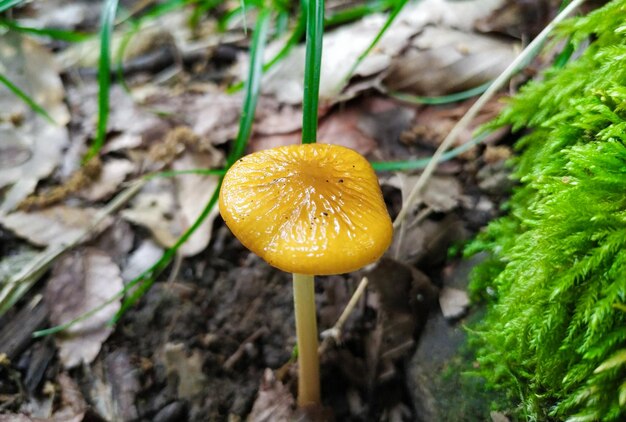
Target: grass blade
[(24, 97), (7, 4), (444, 99), (57, 34), (390, 19), (293, 39), (421, 163), (104, 76), (253, 86), (313, 61)]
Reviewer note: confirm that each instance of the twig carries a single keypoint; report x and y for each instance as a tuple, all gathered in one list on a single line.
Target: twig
[(234, 358), (334, 333), (413, 198)]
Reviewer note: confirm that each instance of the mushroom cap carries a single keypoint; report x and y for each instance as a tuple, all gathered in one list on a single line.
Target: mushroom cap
[(307, 209)]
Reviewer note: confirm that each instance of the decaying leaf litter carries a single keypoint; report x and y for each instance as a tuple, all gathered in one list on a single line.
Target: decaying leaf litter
[(212, 339)]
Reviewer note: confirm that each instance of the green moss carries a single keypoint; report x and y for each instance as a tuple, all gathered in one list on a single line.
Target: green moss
[(558, 262)]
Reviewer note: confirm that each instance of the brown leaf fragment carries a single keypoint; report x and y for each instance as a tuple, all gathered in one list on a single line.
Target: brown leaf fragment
[(32, 148), (186, 369), (167, 208), (453, 302), (53, 226), (113, 173), (73, 405), (443, 61), (141, 259), (274, 401), (80, 282)]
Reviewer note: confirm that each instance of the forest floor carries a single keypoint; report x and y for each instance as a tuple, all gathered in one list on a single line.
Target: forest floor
[(213, 337)]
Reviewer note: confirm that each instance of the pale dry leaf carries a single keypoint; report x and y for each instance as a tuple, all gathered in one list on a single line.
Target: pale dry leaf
[(188, 370), (74, 406), (155, 208), (343, 46), (215, 116), (194, 192), (113, 173), (168, 208), (441, 61), (453, 302), (32, 149), (274, 401), (341, 128), (80, 282), (441, 194), (141, 259), (53, 226)]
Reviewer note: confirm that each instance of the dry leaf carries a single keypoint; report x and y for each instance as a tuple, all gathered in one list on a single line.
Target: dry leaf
[(274, 402), (194, 192), (168, 215), (52, 226), (453, 302), (31, 149), (441, 194), (188, 370), (343, 46), (443, 61), (155, 208), (113, 173), (141, 259), (80, 282), (340, 128)]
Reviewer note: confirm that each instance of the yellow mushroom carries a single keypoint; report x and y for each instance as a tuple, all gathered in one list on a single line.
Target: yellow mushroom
[(312, 209)]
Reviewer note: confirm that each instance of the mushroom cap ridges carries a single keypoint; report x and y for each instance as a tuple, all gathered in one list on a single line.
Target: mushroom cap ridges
[(307, 209)]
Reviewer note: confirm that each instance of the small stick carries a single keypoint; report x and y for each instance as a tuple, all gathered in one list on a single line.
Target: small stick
[(334, 333), (234, 358)]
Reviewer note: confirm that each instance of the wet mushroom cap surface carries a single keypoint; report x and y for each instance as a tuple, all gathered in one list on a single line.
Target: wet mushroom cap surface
[(307, 209)]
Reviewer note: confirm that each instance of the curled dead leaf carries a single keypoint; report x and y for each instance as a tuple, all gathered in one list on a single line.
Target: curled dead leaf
[(53, 226), (80, 282)]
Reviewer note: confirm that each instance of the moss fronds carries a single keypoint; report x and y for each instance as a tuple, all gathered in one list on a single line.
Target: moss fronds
[(558, 265)]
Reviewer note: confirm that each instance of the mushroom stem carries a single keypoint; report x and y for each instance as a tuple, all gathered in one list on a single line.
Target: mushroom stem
[(306, 331)]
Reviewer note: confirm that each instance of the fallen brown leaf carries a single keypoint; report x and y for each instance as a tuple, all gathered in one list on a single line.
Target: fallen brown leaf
[(187, 369), (31, 145), (52, 226), (113, 173), (274, 401), (80, 282)]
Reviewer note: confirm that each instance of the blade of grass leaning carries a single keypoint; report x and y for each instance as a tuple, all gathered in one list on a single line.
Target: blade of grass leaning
[(104, 76), (293, 39), (390, 19), (26, 98), (245, 129), (357, 12), (421, 163), (7, 4), (444, 99), (313, 60), (57, 34), (499, 82)]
